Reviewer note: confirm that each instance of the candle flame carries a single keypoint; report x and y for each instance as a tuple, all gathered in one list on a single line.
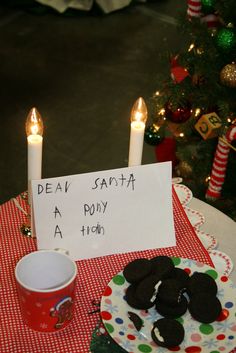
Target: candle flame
[(34, 123), (139, 111)]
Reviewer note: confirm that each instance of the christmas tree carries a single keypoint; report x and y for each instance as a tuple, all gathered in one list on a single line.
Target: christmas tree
[(194, 107)]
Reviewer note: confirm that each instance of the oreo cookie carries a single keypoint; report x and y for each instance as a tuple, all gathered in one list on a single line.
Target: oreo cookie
[(167, 333), (162, 266), (147, 289), (170, 291), (181, 275), (172, 312), (136, 320), (137, 269), (133, 301), (204, 308), (201, 283)]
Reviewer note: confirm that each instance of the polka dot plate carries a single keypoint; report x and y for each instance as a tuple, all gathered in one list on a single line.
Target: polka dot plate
[(217, 337)]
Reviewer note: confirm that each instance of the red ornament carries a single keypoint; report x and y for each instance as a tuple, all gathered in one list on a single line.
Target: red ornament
[(178, 73), (180, 115), (211, 20), (166, 151)]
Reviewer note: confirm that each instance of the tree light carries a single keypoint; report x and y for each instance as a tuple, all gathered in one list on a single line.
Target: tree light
[(162, 111), (197, 112), (191, 47)]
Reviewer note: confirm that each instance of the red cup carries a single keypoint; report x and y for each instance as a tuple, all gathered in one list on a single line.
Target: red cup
[(46, 282)]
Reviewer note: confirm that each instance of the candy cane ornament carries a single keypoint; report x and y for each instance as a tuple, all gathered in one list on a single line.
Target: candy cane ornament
[(194, 8), (220, 164)]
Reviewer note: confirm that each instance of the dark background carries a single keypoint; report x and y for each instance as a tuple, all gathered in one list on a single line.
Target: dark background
[(83, 72)]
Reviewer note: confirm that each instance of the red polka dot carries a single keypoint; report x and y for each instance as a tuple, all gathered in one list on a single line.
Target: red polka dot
[(223, 315), (131, 337), (106, 315), (224, 279), (220, 337), (174, 349), (193, 349), (107, 291), (187, 270)]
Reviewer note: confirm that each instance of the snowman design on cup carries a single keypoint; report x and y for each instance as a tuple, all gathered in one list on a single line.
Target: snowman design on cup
[(62, 311)]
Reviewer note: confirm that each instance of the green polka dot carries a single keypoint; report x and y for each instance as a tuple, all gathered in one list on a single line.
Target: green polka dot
[(145, 348), (109, 328), (214, 352), (119, 280), (176, 260), (206, 329), (180, 320), (212, 273)]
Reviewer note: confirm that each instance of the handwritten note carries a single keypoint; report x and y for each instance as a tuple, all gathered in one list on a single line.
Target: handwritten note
[(107, 212)]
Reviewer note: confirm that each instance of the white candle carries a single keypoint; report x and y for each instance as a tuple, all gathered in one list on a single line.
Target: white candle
[(137, 129), (35, 143), (34, 132)]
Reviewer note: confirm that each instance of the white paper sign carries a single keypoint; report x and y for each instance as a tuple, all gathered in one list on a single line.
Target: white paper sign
[(107, 212)]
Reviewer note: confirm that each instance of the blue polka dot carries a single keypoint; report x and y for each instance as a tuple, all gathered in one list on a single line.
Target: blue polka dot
[(229, 305), (118, 320), (121, 333), (231, 337)]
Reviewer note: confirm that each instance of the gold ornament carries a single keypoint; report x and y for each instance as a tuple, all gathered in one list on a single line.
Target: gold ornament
[(228, 75), (183, 169)]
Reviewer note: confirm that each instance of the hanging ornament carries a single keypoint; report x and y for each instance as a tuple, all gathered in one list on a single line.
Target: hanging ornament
[(208, 6), (208, 125), (226, 39), (219, 166), (153, 135), (211, 20), (228, 75), (179, 115), (178, 73), (194, 8), (166, 151)]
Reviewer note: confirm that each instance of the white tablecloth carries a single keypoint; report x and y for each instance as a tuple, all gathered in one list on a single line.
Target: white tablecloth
[(221, 227)]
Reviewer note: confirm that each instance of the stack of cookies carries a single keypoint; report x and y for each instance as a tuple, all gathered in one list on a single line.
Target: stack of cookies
[(158, 283)]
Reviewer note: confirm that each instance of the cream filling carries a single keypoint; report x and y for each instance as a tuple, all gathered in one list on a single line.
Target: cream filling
[(155, 292), (158, 335)]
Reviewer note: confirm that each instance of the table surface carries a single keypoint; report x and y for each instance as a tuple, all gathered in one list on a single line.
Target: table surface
[(221, 227), (15, 246)]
